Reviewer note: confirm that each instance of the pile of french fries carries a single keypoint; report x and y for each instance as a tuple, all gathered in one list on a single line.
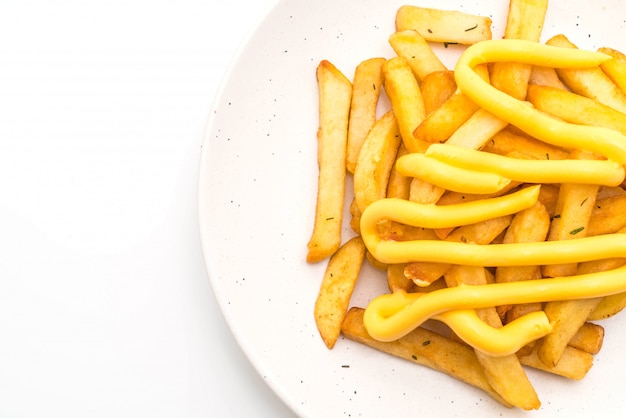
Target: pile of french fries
[(425, 107)]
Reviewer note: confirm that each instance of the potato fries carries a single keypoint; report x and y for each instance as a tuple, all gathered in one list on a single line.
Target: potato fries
[(489, 197)]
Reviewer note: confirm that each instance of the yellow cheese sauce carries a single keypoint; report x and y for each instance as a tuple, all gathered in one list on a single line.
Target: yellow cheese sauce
[(391, 316)]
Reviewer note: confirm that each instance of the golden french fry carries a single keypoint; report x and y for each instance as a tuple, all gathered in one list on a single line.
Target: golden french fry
[(355, 220), (575, 108), (509, 141), (436, 88), (336, 289), (424, 273), (505, 374), (589, 82), (399, 185), (406, 100), (574, 364), (524, 21), (444, 25), (529, 225), (588, 338), (545, 76), (422, 191), (426, 348), (609, 305), (574, 207), (335, 95), (376, 159), (608, 216), (442, 122), (396, 280), (615, 68), (477, 130), (566, 317), (366, 86), (412, 46)]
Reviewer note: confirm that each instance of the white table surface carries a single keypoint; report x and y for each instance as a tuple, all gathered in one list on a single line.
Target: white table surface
[(106, 309)]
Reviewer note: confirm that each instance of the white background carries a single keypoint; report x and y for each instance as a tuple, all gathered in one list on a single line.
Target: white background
[(105, 305)]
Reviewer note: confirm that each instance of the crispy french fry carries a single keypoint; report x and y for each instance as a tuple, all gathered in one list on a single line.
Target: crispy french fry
[(608, 216), (335, 95), (529, 225), (574, 207), (412, 46), (589, 82), (477, 130), (524, 21), (424, 273), (615, 68), (406, 100), (399, 185), (444, 25), (336, 289), (396, 280), (613, 304), (575, 108), (509, 141), (376, 159), (426, 348), (588, 338), (366, 86), (442, 122), (505, 374), (574, 363), (545, 76), (422, 191), (436, 88)]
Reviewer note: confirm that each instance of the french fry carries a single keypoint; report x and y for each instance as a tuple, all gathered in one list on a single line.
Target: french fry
[(477, 130), (546, 76), (505, 373), (376, 159), (588, 338), (426, 348), (566, 318), (335, 95), (574, 364), (589, 82), (524, 21), (422, 191), (442, 122), (575, 108), (613, 304), (447, 26), (399, 185), (406, 100), (615, 69), (574, 207), (424, 273), (436, 88), (529, 225), (366, 86), (508, 141), (412, 46), (608, 216), (336, 289), (396, 280)]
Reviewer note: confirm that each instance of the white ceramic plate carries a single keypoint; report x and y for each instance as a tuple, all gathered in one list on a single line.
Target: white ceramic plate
[(258, 182)]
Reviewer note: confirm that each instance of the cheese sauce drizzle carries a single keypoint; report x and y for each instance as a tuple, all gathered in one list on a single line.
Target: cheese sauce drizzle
[(391, 316)]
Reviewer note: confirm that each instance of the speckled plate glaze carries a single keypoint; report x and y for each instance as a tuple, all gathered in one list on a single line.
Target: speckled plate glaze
[(257, 186)]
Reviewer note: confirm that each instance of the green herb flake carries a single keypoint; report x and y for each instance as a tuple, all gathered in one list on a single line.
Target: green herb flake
[(472, 28), (446, 44), (425, 343), (576, 231), (557, 216), (414, 357)]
